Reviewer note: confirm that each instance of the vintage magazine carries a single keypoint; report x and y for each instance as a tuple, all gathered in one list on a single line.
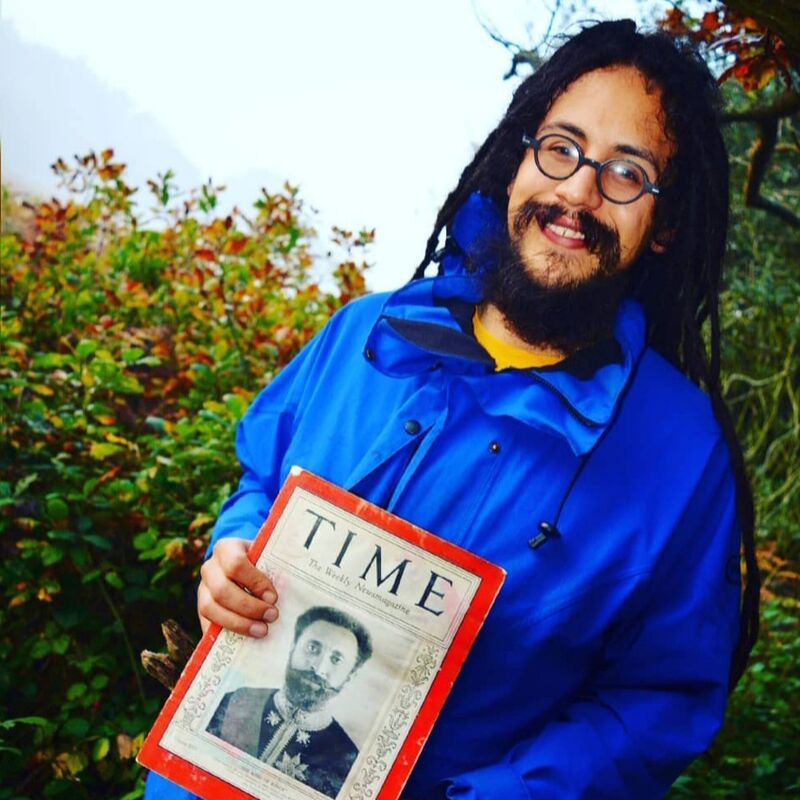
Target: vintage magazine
[(376, 619)]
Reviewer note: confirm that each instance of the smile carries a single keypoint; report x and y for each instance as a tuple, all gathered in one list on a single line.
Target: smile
[(560, 230), (563, 235)]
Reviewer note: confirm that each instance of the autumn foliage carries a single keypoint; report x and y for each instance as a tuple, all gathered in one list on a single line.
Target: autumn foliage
[(755, 53), (132, 341)]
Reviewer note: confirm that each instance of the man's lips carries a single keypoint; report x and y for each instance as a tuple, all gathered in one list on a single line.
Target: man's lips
[(565, 232), (312, 682)]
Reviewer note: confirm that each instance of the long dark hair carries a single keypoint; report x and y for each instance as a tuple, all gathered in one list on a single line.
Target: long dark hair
[(679, 288)]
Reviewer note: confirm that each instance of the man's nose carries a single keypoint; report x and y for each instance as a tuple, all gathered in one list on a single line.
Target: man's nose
[(321, 667), (580, 189), (317, 663)]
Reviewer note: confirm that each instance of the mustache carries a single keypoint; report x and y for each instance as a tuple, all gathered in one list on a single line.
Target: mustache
[(600, 239), (309, 676), (309, 682)]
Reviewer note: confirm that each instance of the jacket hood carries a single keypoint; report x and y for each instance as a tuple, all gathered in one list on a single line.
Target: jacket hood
[(427, 325)]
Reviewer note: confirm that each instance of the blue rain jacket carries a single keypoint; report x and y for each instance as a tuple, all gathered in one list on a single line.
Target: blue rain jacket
[(602, 669)]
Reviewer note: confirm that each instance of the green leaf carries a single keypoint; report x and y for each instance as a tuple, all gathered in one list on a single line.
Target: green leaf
[(145, 540), (99, 682), (91, 576), (86, 347), (23, 483), (61, 535), (49, 360), (40, 649), (50, 554), (57, 508), (100, 749), (39, 722), (132, 354), (97, 541), (101, 450), (75, 727), (127, 384), (113, 579), (76, 690)]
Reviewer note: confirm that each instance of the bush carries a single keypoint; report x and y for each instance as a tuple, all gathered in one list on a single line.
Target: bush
[(129, 350)]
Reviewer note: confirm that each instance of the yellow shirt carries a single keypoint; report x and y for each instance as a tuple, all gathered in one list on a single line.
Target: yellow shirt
[(507, 355)]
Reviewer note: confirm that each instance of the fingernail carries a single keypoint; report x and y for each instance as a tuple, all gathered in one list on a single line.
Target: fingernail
[(258, 630), (269, 597), (271, 614)]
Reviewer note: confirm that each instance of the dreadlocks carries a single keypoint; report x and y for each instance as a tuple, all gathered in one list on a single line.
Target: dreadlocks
[(679, 288)]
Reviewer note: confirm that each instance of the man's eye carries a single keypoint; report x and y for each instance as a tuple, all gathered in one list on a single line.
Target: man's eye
[(626, 173), (336, 659), (313, 648), (561, 149)]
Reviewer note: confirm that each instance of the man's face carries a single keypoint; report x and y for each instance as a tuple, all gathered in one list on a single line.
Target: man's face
[(610, 114), (322, 659)]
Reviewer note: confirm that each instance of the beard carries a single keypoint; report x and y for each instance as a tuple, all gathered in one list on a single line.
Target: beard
[(306, 690), (568, 315)]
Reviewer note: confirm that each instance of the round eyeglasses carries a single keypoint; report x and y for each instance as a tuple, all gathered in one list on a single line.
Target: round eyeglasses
[(618, 180)]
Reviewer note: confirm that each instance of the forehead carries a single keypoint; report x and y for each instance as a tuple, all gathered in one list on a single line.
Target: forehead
[(614, 106), (333, 636)]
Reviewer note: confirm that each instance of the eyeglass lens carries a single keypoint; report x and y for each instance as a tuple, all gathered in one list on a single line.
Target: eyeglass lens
[(559, 157)]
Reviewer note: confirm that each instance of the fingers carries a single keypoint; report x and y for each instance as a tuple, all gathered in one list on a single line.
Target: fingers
[(212, 611), (233, 593), (231, 555)]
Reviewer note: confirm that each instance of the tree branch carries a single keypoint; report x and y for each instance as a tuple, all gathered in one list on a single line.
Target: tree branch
[(784, 106), (759, 159), (519, 54)]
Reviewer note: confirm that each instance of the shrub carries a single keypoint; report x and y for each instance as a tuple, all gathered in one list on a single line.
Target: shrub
[(129, 349)]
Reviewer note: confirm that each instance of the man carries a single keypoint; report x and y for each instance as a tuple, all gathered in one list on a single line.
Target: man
[(538, 403), (290, 728)]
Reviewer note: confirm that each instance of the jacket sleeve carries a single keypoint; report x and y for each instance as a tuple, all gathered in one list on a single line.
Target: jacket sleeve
[(659, 696), (262, 439)]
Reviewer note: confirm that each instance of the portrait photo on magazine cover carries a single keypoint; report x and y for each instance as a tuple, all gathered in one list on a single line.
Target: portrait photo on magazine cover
[(304, 708)]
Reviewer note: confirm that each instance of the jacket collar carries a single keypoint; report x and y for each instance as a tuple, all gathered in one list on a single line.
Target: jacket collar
[(426, 325)]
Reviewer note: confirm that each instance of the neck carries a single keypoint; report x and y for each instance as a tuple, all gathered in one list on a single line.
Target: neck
[(498, 326)]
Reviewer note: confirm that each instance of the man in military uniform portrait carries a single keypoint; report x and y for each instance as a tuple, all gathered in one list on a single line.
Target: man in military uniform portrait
[(291, 728)]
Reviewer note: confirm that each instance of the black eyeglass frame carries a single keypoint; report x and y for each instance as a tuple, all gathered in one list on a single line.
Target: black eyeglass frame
[(598, 166)]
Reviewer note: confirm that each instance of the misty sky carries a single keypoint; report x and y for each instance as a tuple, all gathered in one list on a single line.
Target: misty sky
[(372, 107)]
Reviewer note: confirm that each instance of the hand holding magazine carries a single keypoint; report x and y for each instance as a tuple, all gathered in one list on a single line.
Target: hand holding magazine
[(377, 617)]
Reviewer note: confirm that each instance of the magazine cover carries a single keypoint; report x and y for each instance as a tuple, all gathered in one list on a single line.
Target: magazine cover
[(377, 617)]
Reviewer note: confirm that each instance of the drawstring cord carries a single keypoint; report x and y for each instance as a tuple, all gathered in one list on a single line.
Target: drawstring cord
[(549, 530)]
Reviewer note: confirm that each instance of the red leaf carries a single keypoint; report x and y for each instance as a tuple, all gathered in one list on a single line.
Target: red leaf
[(710, 21), (234, 246), (107, 476)]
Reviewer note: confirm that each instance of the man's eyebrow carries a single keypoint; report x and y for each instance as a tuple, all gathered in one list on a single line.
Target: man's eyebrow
[(624, 149)]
